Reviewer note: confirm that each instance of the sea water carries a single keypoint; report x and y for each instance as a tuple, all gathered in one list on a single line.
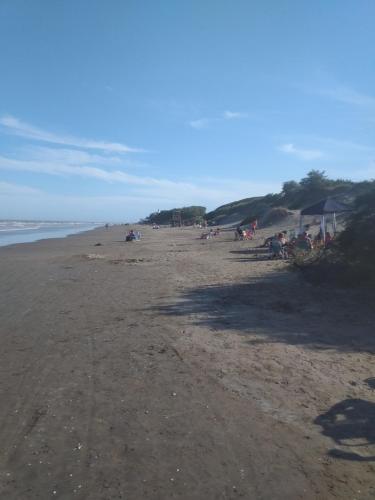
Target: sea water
[(17, 231)]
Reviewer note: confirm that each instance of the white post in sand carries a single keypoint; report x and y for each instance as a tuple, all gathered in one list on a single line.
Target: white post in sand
[(323, 228)]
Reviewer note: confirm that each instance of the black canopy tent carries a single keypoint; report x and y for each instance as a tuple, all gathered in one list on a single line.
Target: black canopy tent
[(327, 206), (323, 208)]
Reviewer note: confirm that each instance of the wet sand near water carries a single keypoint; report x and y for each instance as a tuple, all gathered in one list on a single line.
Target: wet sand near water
[(180, 368)]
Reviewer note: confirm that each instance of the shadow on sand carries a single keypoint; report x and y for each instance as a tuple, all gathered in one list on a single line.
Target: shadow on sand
[(251, 251), (281, 308), (351, 424), (370, 382), (253, 255)]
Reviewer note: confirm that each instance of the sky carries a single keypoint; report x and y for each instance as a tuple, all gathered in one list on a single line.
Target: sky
[(112, 110)]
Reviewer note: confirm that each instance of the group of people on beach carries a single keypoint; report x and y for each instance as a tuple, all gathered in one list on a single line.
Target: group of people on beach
[(280, 246), (246, 233), (133, 235)]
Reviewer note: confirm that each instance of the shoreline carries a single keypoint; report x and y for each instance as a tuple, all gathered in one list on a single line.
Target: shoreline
[(41, 235)]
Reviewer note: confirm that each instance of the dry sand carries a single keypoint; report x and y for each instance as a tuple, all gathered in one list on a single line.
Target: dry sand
[(177, 368)]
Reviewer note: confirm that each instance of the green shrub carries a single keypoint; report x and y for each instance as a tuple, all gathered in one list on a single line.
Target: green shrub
[(350, 261), (356, 243), (275, 216)]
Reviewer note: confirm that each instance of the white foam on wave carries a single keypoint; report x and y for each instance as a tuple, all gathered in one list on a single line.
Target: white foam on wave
[(28, 231), (12, 225)]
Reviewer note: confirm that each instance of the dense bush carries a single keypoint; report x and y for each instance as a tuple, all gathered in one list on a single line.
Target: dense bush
[(312, 188), (356, 243), (350, 259), (275, 215), (188, 214)]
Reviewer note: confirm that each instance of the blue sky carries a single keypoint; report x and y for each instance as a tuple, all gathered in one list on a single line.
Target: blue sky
[(111, 110)]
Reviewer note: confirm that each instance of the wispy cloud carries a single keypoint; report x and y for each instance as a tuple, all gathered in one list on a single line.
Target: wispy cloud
[(332, 148), (328, 87), (8, 189), (17, 127), (127, 207), (203, 123), (164, 186), (70, 156), (233, 115), (348, 96), (302, 154), (341, 144), (82, 170), (168, 192)]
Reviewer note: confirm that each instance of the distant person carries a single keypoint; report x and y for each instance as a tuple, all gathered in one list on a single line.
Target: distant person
[(130, 236), (319, 237), (329, 239), (239, 233), (304, 242), (282, 238), (267, 241), (276, 248), (289, 248), (247, 234)]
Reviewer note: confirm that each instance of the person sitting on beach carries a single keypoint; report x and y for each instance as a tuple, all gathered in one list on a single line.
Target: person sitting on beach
[(289, 249), (238, 235), (304, 242), (267, 241), (329, 239), (130, 236), (247, 234), (276, 248), (282, 238), (287, 246), (319, 236)]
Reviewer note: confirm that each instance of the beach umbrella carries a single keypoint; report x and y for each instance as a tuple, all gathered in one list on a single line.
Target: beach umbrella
[(322, 208)]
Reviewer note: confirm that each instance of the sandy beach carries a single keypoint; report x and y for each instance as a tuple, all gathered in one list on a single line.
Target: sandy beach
[(180, 368)]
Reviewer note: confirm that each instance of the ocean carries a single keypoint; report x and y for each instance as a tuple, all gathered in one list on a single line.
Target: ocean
[(17, 231)]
